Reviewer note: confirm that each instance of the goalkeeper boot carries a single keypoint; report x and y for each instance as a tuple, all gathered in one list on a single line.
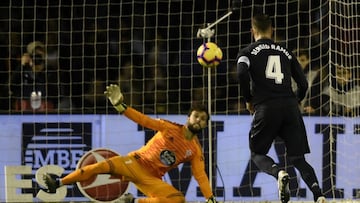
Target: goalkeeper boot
[(51, 183), (126, 198), (283, 186)]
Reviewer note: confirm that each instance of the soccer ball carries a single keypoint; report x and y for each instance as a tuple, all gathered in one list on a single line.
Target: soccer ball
[(209, 55)]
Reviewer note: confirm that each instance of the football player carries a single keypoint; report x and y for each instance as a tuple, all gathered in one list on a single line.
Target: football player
[(265, 70), (172, 145)]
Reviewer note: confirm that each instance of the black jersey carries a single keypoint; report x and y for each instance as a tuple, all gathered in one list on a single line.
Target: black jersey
[(265, 70)]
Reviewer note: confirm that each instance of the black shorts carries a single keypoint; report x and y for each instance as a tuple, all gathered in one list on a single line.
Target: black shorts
[(282, 118)]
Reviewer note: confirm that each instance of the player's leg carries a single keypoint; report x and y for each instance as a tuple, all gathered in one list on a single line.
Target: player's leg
[(307, 174), (264, 128), (104, 167), (152, 186), (158, 191), (295, 138), (265, 164), (86, 172), (78, 175), (266, 123)]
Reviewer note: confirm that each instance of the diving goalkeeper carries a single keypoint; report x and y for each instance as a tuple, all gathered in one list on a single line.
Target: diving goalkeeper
[(172, 145)]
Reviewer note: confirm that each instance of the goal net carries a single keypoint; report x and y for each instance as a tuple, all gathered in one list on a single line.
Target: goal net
[(58, 56)]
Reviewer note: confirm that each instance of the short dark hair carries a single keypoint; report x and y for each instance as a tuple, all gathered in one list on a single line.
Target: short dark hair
[(261, 22), (199, 107)]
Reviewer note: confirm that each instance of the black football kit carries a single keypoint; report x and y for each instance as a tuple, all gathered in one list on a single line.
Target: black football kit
[(265, 70)]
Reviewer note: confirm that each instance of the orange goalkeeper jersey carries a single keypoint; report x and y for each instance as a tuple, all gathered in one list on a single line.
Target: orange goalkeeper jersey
[(168, 148)]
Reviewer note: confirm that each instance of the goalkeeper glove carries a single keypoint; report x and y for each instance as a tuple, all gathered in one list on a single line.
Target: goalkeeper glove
[(116, 98), (211, 200)]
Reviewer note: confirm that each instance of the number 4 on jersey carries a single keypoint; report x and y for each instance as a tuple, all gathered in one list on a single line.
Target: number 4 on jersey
[(273, 69)]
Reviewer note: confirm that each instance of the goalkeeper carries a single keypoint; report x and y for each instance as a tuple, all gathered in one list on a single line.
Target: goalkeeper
[(172, 145)]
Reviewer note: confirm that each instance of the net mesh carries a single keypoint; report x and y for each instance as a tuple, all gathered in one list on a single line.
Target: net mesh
[(149, 49)]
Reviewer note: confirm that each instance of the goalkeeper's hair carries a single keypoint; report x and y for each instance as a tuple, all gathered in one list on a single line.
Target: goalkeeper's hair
[(199, 107)]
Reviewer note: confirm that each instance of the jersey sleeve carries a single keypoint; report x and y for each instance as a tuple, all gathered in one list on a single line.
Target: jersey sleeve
[(143, 120), (300, 79), (198, 170), (243, 64)]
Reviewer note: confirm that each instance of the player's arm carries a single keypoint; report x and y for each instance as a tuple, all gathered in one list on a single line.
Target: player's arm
[(144, 120), (116, 98), (198, 170), (243, 64), (300, 79)]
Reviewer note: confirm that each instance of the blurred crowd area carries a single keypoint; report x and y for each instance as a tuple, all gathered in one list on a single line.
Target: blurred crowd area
[(148, 48)]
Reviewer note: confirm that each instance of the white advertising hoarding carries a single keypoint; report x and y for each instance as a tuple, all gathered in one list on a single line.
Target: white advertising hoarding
[(39, 140)]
